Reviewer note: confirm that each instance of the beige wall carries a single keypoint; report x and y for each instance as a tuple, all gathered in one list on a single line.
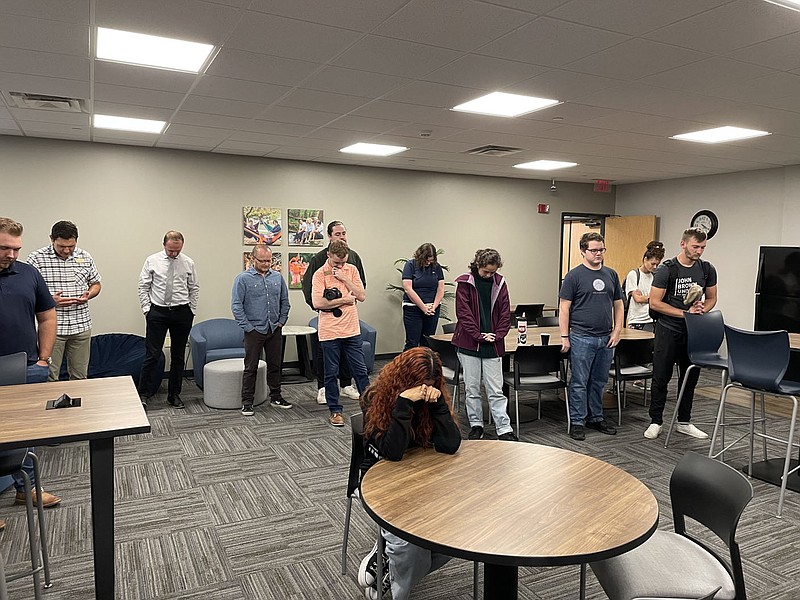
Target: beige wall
[(124, 198), (754, 208)]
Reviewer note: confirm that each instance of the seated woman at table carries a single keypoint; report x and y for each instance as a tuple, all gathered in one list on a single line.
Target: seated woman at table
[(407, 406)]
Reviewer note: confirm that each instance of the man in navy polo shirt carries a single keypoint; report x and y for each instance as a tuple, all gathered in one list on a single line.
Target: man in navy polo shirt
[(24, 302)]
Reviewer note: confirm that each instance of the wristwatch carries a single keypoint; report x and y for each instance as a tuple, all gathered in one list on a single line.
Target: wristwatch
[(48, 360)]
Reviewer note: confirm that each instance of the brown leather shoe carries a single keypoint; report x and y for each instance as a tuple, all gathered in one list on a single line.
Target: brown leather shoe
[(2, 524), (48, 499), (337, 420)]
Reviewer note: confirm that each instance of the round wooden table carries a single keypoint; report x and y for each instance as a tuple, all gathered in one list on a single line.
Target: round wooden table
[(509, 504)]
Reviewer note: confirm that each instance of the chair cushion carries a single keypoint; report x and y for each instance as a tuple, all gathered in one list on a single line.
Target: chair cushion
[(224, 353), (709, 360), (449, 374), (635, 371), (667, 565), (534, 379)]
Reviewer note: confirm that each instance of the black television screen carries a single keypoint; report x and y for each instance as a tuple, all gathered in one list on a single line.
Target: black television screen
[(777, 312), (779, 271)]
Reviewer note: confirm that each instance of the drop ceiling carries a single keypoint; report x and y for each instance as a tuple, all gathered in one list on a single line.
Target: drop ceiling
[(300, 79)]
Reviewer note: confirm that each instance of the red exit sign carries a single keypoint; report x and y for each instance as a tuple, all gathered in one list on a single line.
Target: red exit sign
[(602, 185)]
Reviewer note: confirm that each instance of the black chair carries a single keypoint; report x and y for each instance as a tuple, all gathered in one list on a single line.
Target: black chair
[(531, 311), (547, 321), (451, 366), (680, 565), (449, 327), (353, 477), (13, 371), (704, 337), (633, 360), (757, 361), (538, 368)]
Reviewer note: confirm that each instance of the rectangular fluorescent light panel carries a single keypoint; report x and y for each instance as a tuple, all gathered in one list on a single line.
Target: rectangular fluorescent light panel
[(719, 135), (128, 124), (546, 165), (151, 50), (500, 104), (790, 4), (373, 149)]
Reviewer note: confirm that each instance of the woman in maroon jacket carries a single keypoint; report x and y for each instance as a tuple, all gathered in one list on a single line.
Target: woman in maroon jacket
[(484, 317), (405, 407)]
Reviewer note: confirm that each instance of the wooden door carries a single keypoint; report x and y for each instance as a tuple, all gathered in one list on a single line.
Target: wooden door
[(626, 240)]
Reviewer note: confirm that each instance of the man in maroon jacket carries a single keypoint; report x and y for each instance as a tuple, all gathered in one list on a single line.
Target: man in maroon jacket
[(484, 317)]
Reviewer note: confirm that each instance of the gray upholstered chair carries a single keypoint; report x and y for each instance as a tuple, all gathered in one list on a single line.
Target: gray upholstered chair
[(215, 339), (369, 340)]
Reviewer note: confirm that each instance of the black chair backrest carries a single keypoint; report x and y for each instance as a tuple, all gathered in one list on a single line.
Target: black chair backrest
[(449, 327), (715, 495), (547, 321), (704, 333), (757, 359), (14, 368), (538, 360), (446, 351), (633, 352), (356, 452), (532, 311)]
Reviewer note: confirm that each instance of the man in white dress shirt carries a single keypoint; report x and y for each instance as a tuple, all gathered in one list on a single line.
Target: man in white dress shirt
[(168, 292)]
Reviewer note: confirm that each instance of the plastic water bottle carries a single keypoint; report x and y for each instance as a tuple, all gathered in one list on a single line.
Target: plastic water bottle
[(522, 330)]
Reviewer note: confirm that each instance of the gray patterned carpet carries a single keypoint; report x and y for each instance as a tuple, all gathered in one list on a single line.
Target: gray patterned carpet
[(213, 505)]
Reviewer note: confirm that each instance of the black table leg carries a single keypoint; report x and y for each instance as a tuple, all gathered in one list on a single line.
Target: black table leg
[(101, 453), (500, 582), (303, 357)]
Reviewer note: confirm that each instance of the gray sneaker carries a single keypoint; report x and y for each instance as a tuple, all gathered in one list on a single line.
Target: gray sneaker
[(247, 410)]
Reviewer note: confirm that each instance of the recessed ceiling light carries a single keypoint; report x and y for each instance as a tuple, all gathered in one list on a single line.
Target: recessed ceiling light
[(151, 50), (720, 134), (790, 4), (373, 149), (500, 104), (128, 124), (546, 165)]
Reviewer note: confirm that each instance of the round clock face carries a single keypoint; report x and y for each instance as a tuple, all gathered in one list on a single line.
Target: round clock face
[(707, 221)]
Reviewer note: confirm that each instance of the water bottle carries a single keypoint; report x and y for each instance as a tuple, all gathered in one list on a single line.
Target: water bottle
[(522, 330)]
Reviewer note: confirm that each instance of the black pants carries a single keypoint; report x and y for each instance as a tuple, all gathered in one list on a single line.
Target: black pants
[(178, 321), (272, 345), (670, 348), (417, 325), (345, 377)]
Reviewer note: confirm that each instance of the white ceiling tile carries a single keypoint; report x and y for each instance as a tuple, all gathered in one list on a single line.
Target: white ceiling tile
[(212, 134), (436, 132), (562, 85), (126, 138), (394, 57), (79, 136), (4, 114), (539, 7), (239, 89), (364, 124), (250, 66), (7, 125), (450, 23), (69, 11), (278, 36), (185, 117), (53, 86), (427, 93), (141, 77), (294, 154), (279, 128), (132, 110), (344, 137), (361, 15), (184, 141), (706, 74), (635, 59), (777, 53), (67, 66), (49, 116), (44, 35), (253, 147), (383, 109), (351, 81), (541, 42), (221, 106), (50, 127), (484, 72), (322, 101), (133, 95), (296, 115), (761, 90), (567, 113), (239, 151), (728, 27)]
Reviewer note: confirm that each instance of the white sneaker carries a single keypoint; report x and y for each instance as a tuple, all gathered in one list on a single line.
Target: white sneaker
[(351, 392), (321, 396), (690, 429), (653, 431)]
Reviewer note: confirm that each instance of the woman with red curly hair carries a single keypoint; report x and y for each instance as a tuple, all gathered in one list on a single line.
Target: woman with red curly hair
[(407, 406)]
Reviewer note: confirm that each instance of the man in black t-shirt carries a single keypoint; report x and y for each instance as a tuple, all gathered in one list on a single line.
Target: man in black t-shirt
[(671, 284)]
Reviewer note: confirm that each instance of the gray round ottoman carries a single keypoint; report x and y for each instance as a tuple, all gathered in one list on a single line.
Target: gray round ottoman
[(222, 381)]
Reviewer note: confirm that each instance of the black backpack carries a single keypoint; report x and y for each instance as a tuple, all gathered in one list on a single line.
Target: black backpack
[(672, 265)]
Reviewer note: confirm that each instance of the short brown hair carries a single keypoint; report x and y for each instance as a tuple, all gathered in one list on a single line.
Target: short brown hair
[(484, 258), (592, 236), (10, 226), (338, 248), (694, 232), (172, 235), (424, 252)]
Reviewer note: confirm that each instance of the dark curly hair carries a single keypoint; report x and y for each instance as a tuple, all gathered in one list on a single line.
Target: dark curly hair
[(484, 258), (655, 249), (413, 367)]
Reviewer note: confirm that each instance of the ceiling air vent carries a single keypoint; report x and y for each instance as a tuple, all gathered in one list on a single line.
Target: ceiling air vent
[(44, 102), (493, 150)]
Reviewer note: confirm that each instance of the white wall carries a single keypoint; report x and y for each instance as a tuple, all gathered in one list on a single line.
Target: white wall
[(755, 208), (124, 198)]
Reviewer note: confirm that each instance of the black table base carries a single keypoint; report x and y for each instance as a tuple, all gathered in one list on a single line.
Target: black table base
[(771, 471)]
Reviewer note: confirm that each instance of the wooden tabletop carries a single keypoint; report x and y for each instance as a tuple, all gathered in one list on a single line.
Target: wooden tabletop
[(535, 336), (511, 503), (794, 341), (110, 407)]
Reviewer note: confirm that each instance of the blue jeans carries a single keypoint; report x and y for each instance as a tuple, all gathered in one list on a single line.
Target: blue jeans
[(354, 355), (408, 564), (35, 374), (417, 325), (590, 360), (491, 371)]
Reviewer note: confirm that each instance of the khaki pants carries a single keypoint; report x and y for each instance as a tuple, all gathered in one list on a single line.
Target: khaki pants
[(76, 347)]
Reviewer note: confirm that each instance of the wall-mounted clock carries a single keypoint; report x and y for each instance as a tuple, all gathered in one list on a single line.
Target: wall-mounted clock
[(707, 221)]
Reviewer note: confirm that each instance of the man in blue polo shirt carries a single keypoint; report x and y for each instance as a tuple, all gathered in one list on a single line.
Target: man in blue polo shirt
[(24, 302), (260, 305)]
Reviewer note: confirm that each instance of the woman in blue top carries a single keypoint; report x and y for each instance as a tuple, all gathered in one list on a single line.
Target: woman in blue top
[(423, 285)]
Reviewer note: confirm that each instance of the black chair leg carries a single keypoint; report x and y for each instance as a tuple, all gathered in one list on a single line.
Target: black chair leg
[(346, 535)]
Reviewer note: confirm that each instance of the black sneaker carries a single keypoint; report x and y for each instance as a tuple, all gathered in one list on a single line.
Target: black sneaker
[(368, 571), (603, 427), (281, 403), (175, 401), (476, 433), (577, 432), (508, 437), (247, 410)]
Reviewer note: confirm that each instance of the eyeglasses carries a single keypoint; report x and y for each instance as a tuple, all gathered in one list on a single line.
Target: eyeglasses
[(596, 250)]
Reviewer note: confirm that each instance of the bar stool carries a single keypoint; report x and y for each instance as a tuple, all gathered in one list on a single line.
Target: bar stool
[(11, 462)]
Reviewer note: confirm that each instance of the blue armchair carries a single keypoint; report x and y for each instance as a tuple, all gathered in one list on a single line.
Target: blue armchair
[(215, 339), (369, 339)]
